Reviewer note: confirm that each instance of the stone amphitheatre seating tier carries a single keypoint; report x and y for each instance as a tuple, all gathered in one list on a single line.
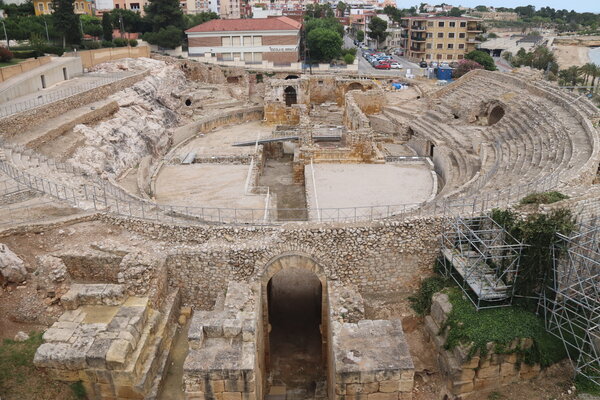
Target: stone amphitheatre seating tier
[(539, 137)]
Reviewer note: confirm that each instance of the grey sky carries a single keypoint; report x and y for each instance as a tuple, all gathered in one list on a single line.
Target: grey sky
[(577, 5)]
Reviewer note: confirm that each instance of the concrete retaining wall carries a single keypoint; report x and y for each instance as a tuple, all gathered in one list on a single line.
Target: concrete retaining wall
[(24, 66), (90, 58)]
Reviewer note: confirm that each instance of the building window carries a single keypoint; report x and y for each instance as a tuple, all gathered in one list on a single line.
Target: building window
[(430, 23), (76, 6), (226, 41), (441, 34), (440, 46), (450, 46), (460, 56), (41, 6), (428, 56), (257, 57), (247, 41), (451, 35), (439, 56), (257, 40), (452, 24), (461, 46), (440, 24), (236, 41), (429, 45), (463, 24), (461, 35), (49, 5), (237, 55), (135, 6), (429, 35), (227, 57), (117, 6), (449, 56)]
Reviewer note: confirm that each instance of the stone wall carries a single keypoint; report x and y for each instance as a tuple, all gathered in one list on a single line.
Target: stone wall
[(376, 257), (24, 121), (91, 266), (24, 66), (90, 58), (471, 376), (277, 113)]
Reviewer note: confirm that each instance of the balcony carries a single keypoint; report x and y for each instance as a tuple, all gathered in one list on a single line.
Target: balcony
[(418, 38), (417, 28), (417, 49), (474, 28)]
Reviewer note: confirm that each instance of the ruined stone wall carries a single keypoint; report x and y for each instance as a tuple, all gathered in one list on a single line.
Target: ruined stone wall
[(354, 117), (279, 114), (24, 121), (370, 102), (376, 257), (324, 88), (92, 266)]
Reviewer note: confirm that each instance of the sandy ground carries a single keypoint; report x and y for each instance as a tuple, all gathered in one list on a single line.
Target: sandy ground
[(365, 185), (206, 185), (567, 56), (220, 141)]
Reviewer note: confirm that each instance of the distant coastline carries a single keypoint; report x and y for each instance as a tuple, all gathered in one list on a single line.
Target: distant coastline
[(594, 54)]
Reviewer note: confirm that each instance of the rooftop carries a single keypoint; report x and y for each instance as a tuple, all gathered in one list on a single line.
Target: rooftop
[(435, 17), (247, 24)]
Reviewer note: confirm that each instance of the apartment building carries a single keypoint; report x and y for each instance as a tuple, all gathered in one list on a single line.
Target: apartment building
[(252, 40), (433, 38), (44, 7)]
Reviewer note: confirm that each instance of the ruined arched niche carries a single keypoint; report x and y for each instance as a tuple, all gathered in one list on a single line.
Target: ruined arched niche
[(495, 115)]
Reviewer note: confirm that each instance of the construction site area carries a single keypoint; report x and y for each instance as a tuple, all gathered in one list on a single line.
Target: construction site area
[(180, 230)]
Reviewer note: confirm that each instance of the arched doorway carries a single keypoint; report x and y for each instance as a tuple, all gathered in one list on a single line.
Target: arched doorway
[(295, 320), (495, 115), (355, 86), (291, 77), (290, 96)]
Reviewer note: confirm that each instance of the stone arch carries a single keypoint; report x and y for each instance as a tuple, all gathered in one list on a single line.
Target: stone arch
[(291, 96), (355, 86), (495, 114), (281, 262)]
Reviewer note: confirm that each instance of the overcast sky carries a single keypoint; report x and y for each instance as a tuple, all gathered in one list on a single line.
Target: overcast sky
[(577, 5)]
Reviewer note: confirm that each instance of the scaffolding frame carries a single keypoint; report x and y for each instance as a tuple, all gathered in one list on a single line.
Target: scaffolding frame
[(482, 258), (571, 304)]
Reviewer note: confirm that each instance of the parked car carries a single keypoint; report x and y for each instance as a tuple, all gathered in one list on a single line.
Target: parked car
[(382, 66), (395, 65), (382, 58)]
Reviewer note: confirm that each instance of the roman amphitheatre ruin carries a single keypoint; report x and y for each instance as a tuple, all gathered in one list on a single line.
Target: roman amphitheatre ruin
[(190, 231)]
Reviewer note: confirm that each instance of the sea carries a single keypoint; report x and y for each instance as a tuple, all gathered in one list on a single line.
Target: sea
[(594, 54)]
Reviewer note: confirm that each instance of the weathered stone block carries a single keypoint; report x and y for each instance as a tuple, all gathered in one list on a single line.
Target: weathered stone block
[(406, 385), (117, 353), (127, 392), (440, 308), (465, 374), (508, 369), (488, 372), (382, 396), (217, 386), (486, 383), (232, 396), (389, 386), (459, 387)]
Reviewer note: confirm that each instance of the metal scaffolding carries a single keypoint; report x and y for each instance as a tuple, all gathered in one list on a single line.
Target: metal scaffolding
[(572, 302), (482, 258)]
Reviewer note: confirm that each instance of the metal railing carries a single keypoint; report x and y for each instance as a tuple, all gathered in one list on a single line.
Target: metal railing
[(54, 95)]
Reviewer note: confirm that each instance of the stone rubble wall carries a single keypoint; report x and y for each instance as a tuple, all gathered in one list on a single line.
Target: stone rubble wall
[(376, 257), (470, 376), (24, 121)]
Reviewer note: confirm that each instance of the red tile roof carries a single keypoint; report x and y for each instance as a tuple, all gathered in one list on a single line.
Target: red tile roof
[(247, 24)]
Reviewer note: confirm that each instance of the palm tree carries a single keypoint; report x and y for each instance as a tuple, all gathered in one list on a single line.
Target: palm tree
[(587, 70), (595, 72), (569, 76)]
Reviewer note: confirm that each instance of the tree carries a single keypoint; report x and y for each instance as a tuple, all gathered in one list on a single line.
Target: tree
[(132, 21), (341, 7), (377, 30), (360, 35), (316, 10), (192, 20), (107, 28), (17, 10), (325, 23), (164, 14), (455, 12), (167, 38), (324, 44), (394, 13), (481, 8), (482, 58), (569, 76), (91, 25), (66, 21), (465, 66)]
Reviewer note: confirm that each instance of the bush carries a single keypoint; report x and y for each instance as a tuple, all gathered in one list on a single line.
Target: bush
[(349, 58), (5, 54), (351, 50), (544, 198), (90, 44), (421, 301), (120, 42), (133, 43), (167, 38), (59, 51), (22, 54), (106, 43)]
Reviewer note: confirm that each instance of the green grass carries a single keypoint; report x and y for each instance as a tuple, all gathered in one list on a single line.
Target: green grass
[(421, 301), (584, 385), (501, 326), (544, 198), (14, 61)]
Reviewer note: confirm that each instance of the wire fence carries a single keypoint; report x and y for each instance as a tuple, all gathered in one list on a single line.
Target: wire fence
[(54, 95), (95, 193)]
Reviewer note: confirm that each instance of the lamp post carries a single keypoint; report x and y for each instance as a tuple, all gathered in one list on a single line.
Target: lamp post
[(5, 35)]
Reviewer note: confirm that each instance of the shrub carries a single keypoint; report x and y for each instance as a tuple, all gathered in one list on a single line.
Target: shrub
[(22, 54), (421, 301), (465, 66), (90, 44), (106, 43), (59, 51), (349, 58), (120, 42), (5, 54), (351, 50), (133, 43), (544, 198), (167, 38)]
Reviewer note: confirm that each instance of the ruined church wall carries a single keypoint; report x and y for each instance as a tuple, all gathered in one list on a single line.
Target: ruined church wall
[(377, 257)]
